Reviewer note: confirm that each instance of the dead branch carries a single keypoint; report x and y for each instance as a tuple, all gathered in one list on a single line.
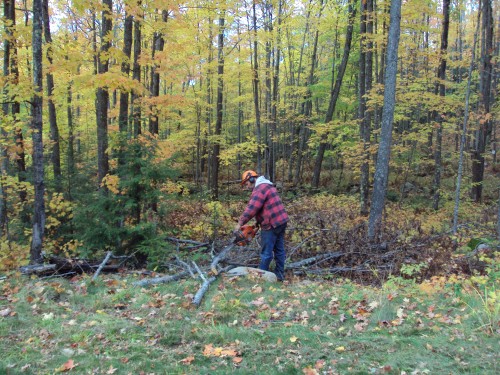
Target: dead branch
[(305, 262), (201, 292), (101, 266), (361, 269), (220, 257), (292, 251), (185, 265), (161, 280), (37, 269), (199, 271), (195, 243)]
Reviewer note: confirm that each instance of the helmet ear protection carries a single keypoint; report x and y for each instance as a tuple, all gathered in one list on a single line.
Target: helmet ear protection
[(249, 176)]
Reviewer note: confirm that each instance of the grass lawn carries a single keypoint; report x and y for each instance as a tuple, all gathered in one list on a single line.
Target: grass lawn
[(244, 326)]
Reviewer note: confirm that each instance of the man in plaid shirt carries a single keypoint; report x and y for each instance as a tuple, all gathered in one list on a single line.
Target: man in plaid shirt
[(266, 206)]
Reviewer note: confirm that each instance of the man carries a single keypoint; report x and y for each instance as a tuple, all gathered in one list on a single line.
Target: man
[(266, 206)]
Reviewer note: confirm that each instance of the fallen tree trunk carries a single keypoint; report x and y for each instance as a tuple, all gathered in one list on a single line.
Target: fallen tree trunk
[(108, 255), (64, 265), (191, 242), (161, 280), (37, 269), (201, 292), (345, 269), (308, 261), (220, 257)]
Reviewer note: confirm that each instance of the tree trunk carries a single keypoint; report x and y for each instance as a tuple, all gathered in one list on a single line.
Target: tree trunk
[(485, 124), (275, 98), (334, 95), (270, 125), (363, 132), (125, 69), (16, 107), (256, 90), (136, 75), (37, 129), (214, 185), (442, 91), (54, 130), (71, 163), (384, 151), (158, 44), (307, 107), (297, 126), (102, 100), (464, 130), (8, 8)]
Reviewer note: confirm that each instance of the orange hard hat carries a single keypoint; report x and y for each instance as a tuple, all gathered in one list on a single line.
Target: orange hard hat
[(247, 175)]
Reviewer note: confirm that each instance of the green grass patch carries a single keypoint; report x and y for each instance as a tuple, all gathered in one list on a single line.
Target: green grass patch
[(243, 326)]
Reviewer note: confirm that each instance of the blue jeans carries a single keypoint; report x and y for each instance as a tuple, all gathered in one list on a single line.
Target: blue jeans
[(273, 246)]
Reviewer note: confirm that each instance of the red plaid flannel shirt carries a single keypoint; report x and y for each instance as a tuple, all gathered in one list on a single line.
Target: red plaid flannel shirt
[(266, 206)]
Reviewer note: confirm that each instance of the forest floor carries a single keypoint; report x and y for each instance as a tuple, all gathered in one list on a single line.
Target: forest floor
[(416, 300), (247, 326)]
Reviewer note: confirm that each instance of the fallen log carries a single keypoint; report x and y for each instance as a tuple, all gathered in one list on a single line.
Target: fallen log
[(220, 257), (101, 266), (191, 242), (331, 270), (37, 269), (161, 280), (206, 284), (308, 261), (64, 265), (201, 292)]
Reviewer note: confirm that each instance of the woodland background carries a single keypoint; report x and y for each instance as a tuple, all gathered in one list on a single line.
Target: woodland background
[(125, 121)]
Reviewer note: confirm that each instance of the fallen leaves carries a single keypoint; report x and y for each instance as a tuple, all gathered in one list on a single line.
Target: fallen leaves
[(69, 365), (187, 361), (211, 351)]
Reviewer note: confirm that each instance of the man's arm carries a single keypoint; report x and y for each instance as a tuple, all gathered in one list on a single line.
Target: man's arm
[(255, 204)]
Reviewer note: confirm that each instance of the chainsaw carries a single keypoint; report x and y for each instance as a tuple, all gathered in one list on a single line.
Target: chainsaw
[(245, 235)]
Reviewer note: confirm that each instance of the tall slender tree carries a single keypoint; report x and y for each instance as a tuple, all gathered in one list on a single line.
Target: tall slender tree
[(485, 124), (7, 5), (441, 88), (214, 184), (136, 74), (366, 65), (125, 68), (102, 95), (37, 133), (384, 151), (335, 94), (157, 46), (256, 87), (54, 129)]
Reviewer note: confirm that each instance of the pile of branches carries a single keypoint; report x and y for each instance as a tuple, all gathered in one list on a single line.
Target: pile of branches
[(55, 266), (319, 244)]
